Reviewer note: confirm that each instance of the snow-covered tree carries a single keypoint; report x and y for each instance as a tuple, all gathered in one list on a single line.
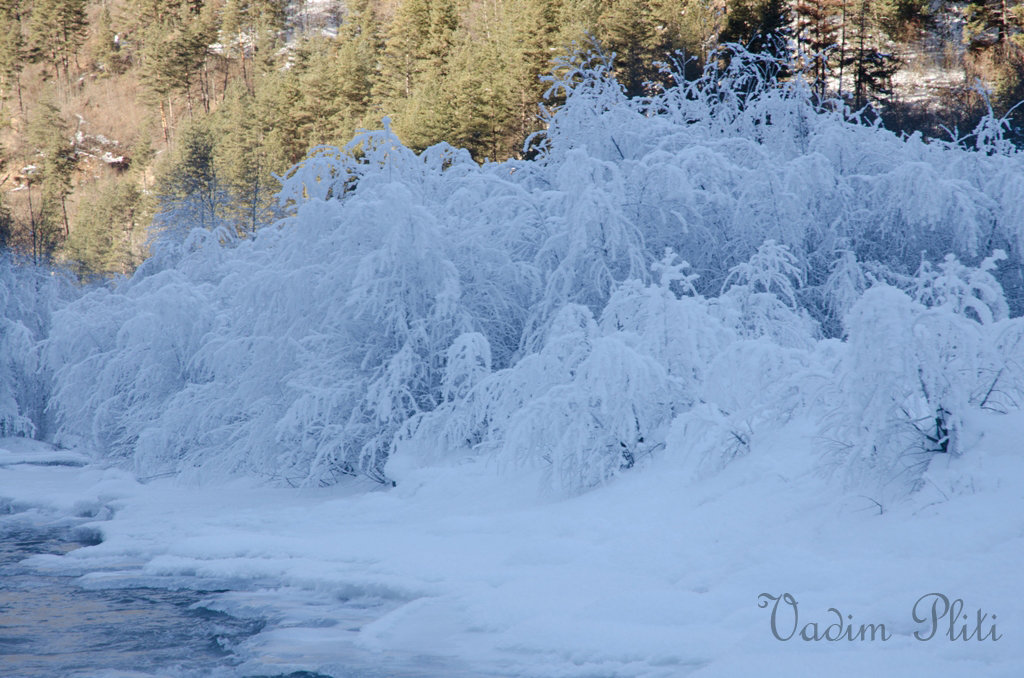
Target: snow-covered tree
[(682, 274)]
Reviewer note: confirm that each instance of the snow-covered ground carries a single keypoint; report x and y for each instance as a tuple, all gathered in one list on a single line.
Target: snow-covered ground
[(460, 571)]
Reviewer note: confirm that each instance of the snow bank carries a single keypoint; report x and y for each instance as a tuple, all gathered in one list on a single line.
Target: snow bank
[(459, 572)]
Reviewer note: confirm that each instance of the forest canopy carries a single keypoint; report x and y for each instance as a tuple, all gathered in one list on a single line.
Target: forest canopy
[(115, 111)]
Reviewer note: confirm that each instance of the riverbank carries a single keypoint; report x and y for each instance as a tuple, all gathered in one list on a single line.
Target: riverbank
[(460, 572)]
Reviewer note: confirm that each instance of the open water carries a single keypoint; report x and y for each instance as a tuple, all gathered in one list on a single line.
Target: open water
[(51, 626)]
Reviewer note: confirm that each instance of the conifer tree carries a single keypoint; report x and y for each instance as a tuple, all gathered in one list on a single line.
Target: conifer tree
[(105, 51), (142, 13), (358, 44), (481, 87), (6, 224), (700, 23), (173, 53), (319, 111), (57, 28), (871, 67), (11, 48), (536, 38), (995, 38), (401, 63), (413, 67), (47, 132), (818, 24), (761, 26), (277, 97), (251, 30), (191, 193), (242, 162), (901, 20), (629, 29), (109, 229)]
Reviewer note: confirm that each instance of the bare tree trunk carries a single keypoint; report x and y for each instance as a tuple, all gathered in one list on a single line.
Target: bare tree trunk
[(32, 224), (842, 50), (64, 212), (163, 123)]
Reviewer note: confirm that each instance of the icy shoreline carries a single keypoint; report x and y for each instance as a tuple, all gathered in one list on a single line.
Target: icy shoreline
[(459, 572)]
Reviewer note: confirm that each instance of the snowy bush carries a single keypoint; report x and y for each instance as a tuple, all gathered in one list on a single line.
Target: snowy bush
[(28, 295), (915, 368), (682, 272)]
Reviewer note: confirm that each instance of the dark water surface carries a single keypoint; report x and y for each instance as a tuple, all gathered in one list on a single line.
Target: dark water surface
[(50, 626)]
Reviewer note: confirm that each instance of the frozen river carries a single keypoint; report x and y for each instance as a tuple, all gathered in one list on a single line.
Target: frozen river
[(51, 626)]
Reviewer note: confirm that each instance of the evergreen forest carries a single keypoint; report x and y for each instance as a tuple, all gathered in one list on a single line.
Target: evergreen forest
[(116, 115)]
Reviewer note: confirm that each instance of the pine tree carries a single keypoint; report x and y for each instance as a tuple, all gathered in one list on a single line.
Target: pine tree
[(537, 40), (818, 25), (995, 38), (629, 29), (56, 30), (109, 229), (47, 132), (319, 111), (901, 20), (173, 54), (992, 23), (242, 162), (872, 68), (358, 44), (413, 68), (105, 52), (762, 26), (480, 91), (251, 30), (191, 194), (11, 51), (6, 224), (401, 63), (694, 25), (277, 98), (143, 13)]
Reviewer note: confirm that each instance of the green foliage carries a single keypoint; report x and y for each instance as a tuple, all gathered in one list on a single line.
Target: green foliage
[(901, 19), (243, 159), (482, 95), (871, 65), (47, 133), (173, 52), (762, 26), (818, 27), (994, 35), (242, 90), (6, 224), (698, 24), (109, 232), (11, 50), (629, 28), (56, 29), (992, 23), (106, 52), (190, 191)]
